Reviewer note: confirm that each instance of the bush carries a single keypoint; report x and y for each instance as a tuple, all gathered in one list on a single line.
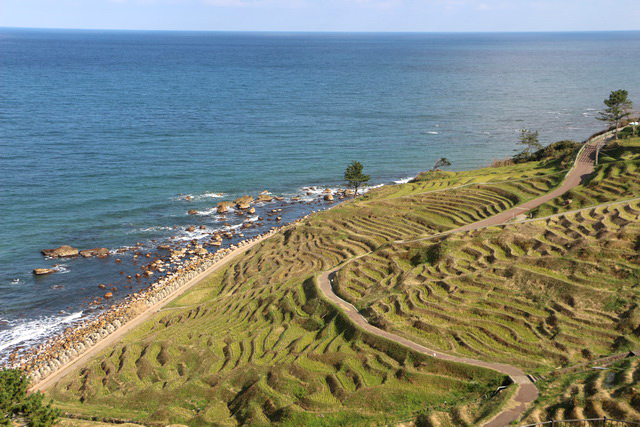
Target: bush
[(15, 402), (431, 254)]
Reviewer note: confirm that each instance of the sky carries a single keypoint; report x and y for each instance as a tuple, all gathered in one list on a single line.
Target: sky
[(325, 15)]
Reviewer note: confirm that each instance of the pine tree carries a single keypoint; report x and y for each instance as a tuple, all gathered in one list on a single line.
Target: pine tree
[(618, 107), (354, 176)]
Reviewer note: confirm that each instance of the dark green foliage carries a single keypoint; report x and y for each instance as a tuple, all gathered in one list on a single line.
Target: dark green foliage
[(440, 163), (354, 176), (530, 141), (562, 152), (618, 107), (14, 401), (431, 254)]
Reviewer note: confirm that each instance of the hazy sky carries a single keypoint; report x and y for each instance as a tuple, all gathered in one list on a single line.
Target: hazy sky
[(325, 15)]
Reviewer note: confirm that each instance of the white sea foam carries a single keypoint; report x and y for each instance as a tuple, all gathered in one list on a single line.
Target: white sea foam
[(36, 330), (404, 180), (203, 196), (433, 132), (61, 268)]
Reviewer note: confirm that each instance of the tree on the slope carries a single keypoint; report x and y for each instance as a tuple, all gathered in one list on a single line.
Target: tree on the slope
[(354, 176), (618, 107), (16, 403), (441, 162), (530, 141)]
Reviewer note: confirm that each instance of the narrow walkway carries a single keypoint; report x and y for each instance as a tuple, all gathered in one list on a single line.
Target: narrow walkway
[(527, 391)]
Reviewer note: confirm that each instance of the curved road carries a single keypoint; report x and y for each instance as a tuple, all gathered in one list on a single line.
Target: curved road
[(527, 391)]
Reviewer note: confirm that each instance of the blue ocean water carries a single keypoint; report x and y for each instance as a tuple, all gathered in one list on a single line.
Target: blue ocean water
[(103, 133)]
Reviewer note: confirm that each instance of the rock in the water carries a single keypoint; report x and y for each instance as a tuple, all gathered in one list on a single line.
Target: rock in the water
[(188, 198), (192, 212), (190, 228), (279, 198), (349, 192), (100, 252), (223, 207), (264, 192), (328, 197), (42, 271), (327, 191), (201, 251), (60, 252), (243, 202), (164, 247), (251, 210), (108, 295), (264, 198)]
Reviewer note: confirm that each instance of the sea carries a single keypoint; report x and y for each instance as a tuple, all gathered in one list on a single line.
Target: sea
[(106, 135)]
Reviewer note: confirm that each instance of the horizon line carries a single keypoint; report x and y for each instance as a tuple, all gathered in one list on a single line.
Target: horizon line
[(321, 31)]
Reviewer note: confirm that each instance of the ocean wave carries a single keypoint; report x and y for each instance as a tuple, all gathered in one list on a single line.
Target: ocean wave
[(61, 268), (403, 180), (20, 332), (196, 197)]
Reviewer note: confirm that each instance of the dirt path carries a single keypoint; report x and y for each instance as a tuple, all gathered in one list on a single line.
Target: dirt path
[(137, 321), (527, 391)]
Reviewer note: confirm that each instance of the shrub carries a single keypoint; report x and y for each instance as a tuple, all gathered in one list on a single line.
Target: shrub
[(15, 402), (431, 254)]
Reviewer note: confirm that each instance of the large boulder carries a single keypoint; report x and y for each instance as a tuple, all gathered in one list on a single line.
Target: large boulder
[(328, 197), (60, 252), (99, 252), (43, 271), (243, 202), (223, 207), (264, 198)]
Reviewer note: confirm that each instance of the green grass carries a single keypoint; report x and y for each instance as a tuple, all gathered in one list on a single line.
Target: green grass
[(617, 177), (611, 393), (255, 344), (560, 299)]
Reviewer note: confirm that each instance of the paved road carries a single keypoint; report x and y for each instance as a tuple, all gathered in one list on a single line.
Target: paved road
[(527, 391)]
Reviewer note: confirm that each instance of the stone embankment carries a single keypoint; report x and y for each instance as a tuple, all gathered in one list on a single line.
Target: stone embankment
[(42, 361)]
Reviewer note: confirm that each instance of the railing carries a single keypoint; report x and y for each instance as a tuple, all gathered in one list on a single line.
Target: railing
[(587, 422)]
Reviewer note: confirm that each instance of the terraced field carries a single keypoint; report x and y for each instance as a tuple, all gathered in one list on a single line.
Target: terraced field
[(540, 295), (617, 177), (255, 344), (611, 393)]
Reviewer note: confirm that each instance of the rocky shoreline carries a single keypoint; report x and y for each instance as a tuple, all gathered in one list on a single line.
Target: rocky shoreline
[(42, 361)]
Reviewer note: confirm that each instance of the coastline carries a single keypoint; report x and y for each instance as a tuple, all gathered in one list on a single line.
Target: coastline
[(61, 353)]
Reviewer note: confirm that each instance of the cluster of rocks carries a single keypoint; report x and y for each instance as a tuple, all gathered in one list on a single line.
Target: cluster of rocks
[(66, 251), (186, 264)]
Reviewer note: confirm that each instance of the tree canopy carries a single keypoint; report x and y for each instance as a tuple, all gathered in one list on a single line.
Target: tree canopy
[(618, 107), (440, 163), (354, 176), (16, 403), (530, 140)]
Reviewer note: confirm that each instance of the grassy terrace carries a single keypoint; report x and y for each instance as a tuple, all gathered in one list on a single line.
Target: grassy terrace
[(616, 177), (611, 393), (540, 295), (254, 344)]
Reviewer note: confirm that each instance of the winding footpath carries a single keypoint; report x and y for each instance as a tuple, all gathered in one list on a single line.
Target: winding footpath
[(527, 391)]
